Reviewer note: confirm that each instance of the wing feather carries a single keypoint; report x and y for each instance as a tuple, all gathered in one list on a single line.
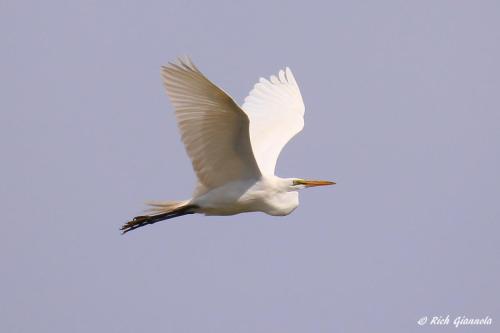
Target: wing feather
[(214, 129), (276, 111)]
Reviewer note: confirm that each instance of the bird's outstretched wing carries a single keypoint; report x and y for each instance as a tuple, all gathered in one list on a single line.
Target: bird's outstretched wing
[(214, 129), (276, 111)]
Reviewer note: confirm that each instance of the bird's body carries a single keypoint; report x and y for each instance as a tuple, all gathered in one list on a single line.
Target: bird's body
[(268, 194), (233, 149)]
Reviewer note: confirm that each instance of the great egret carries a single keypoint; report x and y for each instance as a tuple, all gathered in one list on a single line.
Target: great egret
[(233, 149)]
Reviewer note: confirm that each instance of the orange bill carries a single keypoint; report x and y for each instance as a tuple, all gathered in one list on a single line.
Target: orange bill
[(311, 183)]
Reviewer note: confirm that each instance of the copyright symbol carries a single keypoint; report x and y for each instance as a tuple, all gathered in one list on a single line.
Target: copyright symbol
[(422, 321)]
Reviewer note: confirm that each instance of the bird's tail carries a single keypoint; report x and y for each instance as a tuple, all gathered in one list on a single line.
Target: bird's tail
[(159, 211)]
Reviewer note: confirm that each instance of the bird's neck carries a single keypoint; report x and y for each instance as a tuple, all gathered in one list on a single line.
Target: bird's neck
[(278, 183)]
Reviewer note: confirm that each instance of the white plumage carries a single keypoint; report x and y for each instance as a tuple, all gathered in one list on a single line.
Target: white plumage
[(233, 150), (276, 113)]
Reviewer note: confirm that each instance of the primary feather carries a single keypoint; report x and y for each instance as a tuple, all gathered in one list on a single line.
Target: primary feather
[(213, 127)]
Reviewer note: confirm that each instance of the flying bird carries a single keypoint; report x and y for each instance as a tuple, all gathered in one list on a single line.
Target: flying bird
[(233, 149)]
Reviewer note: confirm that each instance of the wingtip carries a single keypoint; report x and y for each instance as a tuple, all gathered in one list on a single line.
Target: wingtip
[(186, 62), (181, 62), (168, 66), (289, 75)]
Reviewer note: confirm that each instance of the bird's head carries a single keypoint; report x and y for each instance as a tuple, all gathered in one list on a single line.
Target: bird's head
[(298, 184)]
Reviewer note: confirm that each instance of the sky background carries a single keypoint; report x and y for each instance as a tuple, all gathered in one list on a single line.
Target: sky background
[(402, 111)]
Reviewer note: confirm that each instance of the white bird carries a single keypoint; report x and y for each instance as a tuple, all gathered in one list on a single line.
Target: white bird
[(233, 149)]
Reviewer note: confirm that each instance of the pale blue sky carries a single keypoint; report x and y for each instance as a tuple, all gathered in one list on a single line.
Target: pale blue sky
[(402, 110)]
